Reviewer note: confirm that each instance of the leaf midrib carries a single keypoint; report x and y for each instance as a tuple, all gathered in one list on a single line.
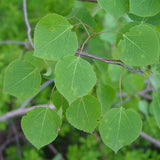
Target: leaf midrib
[(29, 74), (55, 38)]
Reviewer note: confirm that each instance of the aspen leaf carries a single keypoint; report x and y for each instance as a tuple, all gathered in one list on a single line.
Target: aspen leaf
[(74, 77), (40, 126), (120, 127), (84, 113), (140, 46), (53, 38), (144, 8), (117, 7), (22, 79)]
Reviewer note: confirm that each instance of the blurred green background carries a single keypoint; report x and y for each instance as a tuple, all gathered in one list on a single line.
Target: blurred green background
[(71, 143)]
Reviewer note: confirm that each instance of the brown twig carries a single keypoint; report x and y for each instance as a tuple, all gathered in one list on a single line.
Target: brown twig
[(109, 61), (16, 139), (99, 143)]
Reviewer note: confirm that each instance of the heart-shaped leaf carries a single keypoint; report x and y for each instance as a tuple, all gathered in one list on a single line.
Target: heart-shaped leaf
[(53, 38), (40, 126), (74, 77), (120, 127), (140, 46), (84, 113)]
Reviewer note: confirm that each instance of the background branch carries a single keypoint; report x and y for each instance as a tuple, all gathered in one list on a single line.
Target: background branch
[(27, 23), (22, 111), (44, 85), (26, 44), (53, 149), (149, 138)]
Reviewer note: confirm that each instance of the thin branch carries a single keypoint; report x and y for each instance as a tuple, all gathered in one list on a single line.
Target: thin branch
[(53, 149), (150, 139), (44, 85), (16, 139), (27, 23), (50, 99), (1, 156), (22, 111), (109, 61), (120, 87), (99, 141), (26, 44)]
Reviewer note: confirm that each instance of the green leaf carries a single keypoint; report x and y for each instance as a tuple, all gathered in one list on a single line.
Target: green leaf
[(143, 107), (154, 20), (53, 38), (144, 8), (106, 95), (125, 29), (82, 15), (117, 7), (40, 126), (22, 79), (74, 77), (156, 108), (140, 46), (114, 72), (99, 48), (33, 60), (120, 127), (133, 83), (84, 113), (59, 101)]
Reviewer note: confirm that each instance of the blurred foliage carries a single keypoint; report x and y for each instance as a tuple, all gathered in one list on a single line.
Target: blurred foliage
[(73, 144)]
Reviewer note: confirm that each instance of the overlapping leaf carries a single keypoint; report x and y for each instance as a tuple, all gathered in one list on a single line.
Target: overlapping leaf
[(117, 7), (156, 108), (106, 95), (81, 14), (154, 20), (144, 8)]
